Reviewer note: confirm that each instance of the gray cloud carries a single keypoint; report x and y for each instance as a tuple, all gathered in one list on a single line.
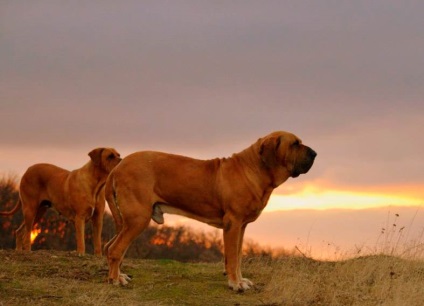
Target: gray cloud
[(212, 77)]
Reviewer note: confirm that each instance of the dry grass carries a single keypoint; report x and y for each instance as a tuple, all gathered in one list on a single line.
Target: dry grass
[(370, 280), (62, 278)]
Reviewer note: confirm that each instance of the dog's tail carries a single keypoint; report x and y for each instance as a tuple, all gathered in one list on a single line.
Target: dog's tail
[(13, 211), (112, 199)]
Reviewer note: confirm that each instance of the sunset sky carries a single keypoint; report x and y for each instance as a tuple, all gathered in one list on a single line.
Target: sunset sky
[(208, 78)]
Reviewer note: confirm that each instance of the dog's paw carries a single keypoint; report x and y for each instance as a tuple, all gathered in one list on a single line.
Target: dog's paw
[(241, 285), (123, 280), (125, 276), (247, 281)]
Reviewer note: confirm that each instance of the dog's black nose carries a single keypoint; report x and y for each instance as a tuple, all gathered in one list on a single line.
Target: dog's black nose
[(312, 153)]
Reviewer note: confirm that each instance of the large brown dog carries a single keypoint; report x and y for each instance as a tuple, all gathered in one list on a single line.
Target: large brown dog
[(78, 195), (226, 193)]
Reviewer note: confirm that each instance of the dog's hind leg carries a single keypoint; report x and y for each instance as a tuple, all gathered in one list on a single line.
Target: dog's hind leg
[(108, 244), (111, 198), (118, 247), (20, 236), (23, 236), (32, 212)]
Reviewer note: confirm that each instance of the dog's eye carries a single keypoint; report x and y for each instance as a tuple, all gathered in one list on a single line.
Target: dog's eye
[(111, 156), (296, 143)]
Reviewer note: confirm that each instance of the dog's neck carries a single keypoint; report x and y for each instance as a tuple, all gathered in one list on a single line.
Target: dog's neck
[(271, 177), (261, 182), (98, 175)]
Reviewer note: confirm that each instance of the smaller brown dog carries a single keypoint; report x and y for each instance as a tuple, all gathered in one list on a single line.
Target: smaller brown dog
[(78, 195)]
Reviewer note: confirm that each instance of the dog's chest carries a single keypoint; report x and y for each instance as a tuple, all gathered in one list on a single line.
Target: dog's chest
[(252, 214), (254, 209)]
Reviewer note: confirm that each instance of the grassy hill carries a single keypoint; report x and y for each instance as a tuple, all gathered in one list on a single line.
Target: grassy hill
[(63, 278)]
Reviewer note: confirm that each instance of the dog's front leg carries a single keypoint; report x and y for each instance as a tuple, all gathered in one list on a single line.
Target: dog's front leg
[(97, 221), (240, 249), (232, 236), (79, 233)]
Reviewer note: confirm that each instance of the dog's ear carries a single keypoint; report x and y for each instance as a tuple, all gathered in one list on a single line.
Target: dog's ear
[(268, 150), (96, 156)]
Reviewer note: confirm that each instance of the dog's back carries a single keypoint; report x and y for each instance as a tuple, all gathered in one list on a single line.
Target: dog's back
[(42, 182)]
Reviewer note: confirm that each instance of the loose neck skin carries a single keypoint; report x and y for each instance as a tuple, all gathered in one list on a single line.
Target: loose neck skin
[(270, 178), (257, 175)]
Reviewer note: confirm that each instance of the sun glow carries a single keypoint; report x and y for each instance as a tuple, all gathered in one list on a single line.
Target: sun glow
[(314, 198), (34, 234)]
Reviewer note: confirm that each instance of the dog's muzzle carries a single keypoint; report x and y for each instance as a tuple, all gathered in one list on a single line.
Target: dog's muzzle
[(303, 165)]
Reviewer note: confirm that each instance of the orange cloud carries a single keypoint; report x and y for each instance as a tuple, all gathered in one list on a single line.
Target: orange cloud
[(317, 197)]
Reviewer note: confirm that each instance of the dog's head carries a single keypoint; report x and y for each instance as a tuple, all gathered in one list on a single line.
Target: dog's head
[(105, 158), (283, 149)]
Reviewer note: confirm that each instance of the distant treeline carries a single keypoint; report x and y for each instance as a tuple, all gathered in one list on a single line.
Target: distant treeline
[(156, 242)]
